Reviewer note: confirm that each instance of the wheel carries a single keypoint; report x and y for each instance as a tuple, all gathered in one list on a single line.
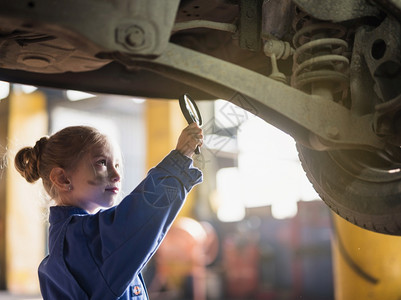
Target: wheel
[(362, 187)]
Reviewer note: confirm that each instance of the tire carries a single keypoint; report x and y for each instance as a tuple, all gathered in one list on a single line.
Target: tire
[(361, 187)]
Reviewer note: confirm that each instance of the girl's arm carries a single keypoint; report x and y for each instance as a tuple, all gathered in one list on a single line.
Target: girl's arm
[(122, 239)]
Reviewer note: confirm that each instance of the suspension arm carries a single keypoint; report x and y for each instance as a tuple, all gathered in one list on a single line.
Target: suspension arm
[(311, 120)]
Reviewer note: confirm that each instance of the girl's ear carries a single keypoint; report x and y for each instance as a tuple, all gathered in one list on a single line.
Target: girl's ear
[(59, 178)]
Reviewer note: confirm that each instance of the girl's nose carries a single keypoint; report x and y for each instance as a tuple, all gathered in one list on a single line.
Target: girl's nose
[(115, 175)]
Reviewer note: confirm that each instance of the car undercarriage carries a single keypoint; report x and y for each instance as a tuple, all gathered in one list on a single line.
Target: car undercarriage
[(326, 72)]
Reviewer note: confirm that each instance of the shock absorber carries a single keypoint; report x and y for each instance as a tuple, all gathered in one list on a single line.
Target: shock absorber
[(320, 66)]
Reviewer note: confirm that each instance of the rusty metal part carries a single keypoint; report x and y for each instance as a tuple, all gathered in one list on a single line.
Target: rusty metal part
[(289, 109), (281, 49), (26, 50), (139, 27), (276, 74), (205, 24), (374, 51), (213, 10), (381, 48), (250, 24), (276, 18), (276, 49), (387, 119), (392, 7), (338, 10), (304, 72), (319, 59), (376, 77), (319, 66)]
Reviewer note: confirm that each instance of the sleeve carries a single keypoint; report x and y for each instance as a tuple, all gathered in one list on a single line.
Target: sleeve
[(124, 238)]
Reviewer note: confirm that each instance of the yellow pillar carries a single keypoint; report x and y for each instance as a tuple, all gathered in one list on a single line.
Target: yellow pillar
[(164, 123), (367, 265), (4, 117), (25, 223)]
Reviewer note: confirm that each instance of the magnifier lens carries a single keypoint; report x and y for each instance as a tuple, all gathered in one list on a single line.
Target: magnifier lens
[(191, 109), (190, 112)]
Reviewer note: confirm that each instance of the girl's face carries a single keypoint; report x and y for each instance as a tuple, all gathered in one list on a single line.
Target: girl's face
[(95, 182)]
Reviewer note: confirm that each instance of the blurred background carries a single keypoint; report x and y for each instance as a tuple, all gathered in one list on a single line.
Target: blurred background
[(254, 229)]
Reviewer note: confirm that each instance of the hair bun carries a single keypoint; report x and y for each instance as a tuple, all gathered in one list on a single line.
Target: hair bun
[(27, 160)]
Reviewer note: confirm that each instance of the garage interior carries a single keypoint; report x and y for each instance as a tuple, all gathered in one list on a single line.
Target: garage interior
[(299, 98), (251, 250)]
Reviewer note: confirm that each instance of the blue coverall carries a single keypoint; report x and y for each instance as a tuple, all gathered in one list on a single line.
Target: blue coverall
[(100, 256)]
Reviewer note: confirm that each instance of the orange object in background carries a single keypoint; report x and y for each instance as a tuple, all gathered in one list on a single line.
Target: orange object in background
[(182, 258), (241, 263)]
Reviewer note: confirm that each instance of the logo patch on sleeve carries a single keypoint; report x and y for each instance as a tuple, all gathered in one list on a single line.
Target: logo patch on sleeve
[(136, 290)]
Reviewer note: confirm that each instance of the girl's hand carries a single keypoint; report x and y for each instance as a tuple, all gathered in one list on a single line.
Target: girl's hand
[(190, 138)]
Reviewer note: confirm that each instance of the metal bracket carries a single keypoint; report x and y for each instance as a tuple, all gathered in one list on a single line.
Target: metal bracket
[(303, 116), (250, 24), (140, 27)]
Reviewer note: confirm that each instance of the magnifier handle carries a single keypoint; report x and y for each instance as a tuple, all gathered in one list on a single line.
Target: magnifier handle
[(191, 113)]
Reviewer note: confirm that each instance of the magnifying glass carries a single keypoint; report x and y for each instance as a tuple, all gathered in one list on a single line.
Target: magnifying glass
[(190, 112)]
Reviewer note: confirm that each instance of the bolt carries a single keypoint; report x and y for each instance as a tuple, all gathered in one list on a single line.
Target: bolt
[(135, 36), (131, 36), (332, 132)]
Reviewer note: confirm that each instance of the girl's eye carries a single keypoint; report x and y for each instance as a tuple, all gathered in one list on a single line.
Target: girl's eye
[(117, 166), (102, 162)]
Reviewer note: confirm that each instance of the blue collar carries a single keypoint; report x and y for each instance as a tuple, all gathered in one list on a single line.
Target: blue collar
[(60, 213)]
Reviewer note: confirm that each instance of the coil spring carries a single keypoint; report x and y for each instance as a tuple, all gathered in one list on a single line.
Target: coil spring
[(319, 58)]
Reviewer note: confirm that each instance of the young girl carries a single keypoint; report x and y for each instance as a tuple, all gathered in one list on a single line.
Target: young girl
[(99, 254)]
